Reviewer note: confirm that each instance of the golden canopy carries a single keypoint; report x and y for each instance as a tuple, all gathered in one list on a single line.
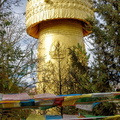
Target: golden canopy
[(38, 11)]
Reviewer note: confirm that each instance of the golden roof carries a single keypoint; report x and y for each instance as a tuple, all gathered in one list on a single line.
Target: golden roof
[(38, 11)]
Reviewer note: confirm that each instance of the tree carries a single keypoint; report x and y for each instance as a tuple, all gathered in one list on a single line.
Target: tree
[(15, 63), (7, 4), (17, 58), (67, 69), (106, 43), (79, 71), (105, 68), (78, 80), (52, 72), (66, 73)]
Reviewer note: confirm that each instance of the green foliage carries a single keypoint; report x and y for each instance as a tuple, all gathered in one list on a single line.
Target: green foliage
[(67, 74), (106, 66), (108, 108), (15, 63), (78, 56), (106, 42), (79, 80), (15, 114)]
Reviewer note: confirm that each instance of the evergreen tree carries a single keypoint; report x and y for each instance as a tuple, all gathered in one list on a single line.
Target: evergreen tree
[(106, 43), (16, 61), (67, 74), (79, 80), (106, 49)]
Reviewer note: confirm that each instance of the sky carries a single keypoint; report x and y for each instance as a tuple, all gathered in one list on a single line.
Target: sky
[(20, 9)]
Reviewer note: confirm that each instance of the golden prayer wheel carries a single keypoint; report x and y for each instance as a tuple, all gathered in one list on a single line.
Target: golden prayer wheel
[(53, 21)]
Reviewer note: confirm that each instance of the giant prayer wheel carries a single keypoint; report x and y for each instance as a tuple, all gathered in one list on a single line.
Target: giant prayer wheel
[(53, 21)]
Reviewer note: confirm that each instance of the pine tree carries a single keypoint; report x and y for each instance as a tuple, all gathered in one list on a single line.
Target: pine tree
[(106, 47), (79, 80), (15, 63), (106, 34)]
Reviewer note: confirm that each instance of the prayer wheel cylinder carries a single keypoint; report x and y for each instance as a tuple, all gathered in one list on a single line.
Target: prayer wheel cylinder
[(53, 21)]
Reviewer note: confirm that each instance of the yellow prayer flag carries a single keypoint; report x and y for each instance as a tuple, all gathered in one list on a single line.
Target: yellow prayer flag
[(67, 98), (116, 117), (2, 102), (35, 117), (67, 103), (70, 100), (11, 105)]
